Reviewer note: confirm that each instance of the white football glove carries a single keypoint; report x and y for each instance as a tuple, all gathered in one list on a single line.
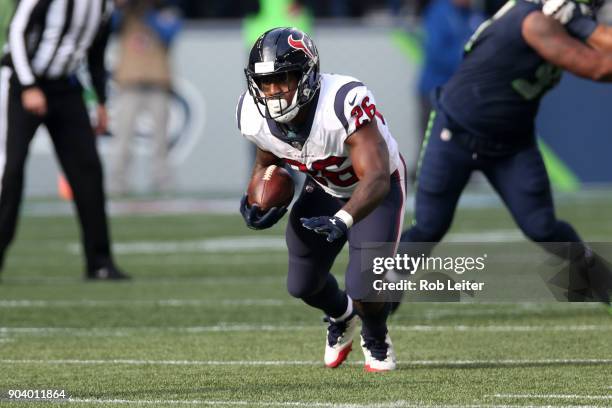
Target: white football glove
[(561, 10), (565, 10)]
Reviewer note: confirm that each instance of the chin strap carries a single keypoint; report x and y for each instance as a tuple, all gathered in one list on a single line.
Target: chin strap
[(292, 110)]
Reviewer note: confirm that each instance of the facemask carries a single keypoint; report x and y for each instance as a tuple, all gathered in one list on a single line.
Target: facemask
[(280, 111)]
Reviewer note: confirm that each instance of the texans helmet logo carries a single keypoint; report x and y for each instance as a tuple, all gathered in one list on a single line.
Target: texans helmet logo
[(300, 45)]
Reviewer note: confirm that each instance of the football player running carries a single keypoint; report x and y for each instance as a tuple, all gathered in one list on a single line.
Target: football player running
[(328, 127), (484, 119)]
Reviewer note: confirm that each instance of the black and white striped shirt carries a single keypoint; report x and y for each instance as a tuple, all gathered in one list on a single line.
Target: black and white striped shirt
[(49, 39)]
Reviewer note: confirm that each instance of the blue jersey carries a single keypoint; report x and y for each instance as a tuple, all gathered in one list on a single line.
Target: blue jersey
[(497, 89)]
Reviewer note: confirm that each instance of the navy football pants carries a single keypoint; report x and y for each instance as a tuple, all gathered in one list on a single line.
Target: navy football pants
[(519, 178), (311, 256)]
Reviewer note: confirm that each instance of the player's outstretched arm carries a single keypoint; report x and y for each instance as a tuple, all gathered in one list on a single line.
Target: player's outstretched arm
[(370, 157), (554, 44)]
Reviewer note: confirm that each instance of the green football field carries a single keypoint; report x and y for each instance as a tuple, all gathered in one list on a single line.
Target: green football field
[(206, 321)]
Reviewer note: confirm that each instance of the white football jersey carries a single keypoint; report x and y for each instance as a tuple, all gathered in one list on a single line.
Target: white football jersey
[(344, 105)]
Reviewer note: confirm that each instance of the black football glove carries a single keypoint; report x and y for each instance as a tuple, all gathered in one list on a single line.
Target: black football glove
[(333, 227), (257, 219)]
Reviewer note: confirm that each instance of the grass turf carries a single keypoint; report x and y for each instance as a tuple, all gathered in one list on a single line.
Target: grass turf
[(217, 328)]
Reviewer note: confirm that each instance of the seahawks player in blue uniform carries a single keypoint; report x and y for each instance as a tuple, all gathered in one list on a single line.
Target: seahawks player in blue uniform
[(484, 119)]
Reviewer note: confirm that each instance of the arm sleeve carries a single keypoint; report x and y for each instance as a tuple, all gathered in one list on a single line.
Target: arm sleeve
[(95, 60), (17, 42)]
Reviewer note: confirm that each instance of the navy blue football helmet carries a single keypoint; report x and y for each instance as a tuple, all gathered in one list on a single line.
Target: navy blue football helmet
[(278, 54)]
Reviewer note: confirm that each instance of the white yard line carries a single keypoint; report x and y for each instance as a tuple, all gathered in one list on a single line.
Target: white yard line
[(159, 303), (237, 327), (513, 309), (554, 396), (462, 310), (155, 280), (142, 206), (177, 259), (417, 363), (211, 245), (399, 404), (501, 328), (243, 243), (395, 404), (127, 331)]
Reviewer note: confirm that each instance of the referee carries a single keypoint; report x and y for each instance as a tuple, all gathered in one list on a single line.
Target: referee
[(47, 43)]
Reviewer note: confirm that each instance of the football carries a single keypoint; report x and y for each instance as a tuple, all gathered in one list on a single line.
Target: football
[(271, 187)]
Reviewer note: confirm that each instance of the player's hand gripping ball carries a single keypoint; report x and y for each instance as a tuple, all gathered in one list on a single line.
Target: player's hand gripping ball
[(270, 192)]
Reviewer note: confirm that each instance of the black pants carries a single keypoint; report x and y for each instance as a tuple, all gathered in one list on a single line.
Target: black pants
[(68, 124)]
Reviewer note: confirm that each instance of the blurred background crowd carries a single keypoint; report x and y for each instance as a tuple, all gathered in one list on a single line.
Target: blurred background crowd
[(195, 9), (222, 9)]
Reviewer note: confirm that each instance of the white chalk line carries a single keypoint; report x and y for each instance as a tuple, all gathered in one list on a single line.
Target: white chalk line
[(313, 404), (158, 303), (399, 404), (554, 396), (246, 363), (177, 259), (521, 308), (512, 309), (154, 280), (233, 327), (270, 243), (211, 245)]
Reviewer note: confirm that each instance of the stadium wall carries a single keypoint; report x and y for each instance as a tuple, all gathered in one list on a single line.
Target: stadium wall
[(575, 121)]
